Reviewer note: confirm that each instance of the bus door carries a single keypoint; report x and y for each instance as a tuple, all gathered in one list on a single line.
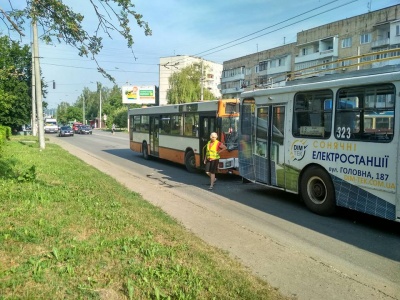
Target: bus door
[(269, 145), (207, 125), (154, 136)]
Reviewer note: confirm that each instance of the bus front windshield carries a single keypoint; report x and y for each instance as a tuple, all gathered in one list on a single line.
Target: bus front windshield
[(229, 132)]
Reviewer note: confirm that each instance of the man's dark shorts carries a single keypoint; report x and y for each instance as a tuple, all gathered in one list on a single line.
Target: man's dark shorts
[(212, 166)]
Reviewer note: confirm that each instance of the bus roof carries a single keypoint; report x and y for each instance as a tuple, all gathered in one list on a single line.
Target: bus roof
[(362, 77), (208, 105)]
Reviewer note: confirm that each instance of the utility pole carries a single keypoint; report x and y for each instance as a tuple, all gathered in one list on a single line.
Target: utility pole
[(83, 110), (201, 82), (38, 86), (100, 107), (33, 116)]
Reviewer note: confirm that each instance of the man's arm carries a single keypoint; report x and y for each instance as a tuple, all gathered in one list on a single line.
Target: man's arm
[(221, 147)]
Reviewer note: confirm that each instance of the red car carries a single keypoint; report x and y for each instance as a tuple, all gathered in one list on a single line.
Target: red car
[(75, 126)]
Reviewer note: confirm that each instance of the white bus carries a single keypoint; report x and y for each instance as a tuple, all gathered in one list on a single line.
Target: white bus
[(179, 132), (334, 140)]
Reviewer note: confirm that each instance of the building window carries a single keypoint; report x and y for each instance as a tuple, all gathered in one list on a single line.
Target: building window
[(232, 72), (345, 63), (346, 43), (326, 64), (365, 38), (397, 30), (263, 65), (263, 80)]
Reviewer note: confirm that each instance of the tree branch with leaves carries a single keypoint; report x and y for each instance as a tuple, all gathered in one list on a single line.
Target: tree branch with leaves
[(60, 23)]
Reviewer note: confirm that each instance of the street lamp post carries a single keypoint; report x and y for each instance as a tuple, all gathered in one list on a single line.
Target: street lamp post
[(100, 110), (83, 110)]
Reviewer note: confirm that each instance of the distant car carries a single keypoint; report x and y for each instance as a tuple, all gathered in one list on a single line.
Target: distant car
[(66, 131), (85, 129), (75, 126)]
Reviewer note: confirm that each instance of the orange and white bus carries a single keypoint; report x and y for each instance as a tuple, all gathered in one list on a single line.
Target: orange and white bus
[(334, 140), (179, 132)]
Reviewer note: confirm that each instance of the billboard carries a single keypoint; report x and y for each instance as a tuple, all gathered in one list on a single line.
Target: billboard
[(134, 94)]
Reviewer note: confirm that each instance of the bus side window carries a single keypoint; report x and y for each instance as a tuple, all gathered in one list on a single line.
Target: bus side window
[(348, 124), (303, 119), (165, 125)]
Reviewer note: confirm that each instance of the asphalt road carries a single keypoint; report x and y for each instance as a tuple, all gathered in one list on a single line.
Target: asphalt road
[(305, 256)]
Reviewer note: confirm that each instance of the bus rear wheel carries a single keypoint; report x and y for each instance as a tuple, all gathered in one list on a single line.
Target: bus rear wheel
[(317, 191), (145, 151), (190, 162)]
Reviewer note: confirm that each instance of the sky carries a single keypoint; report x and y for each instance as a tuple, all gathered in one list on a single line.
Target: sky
[(216, 30)]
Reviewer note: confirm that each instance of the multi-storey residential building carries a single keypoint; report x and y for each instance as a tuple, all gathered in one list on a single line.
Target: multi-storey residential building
[(340, 46), (264, 68), (169, 65)]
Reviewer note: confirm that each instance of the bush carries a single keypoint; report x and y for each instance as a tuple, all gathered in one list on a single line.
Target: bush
[(5, 134)]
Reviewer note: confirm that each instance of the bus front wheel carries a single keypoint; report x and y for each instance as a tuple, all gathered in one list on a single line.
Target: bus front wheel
[(145, 151), (317, 191), (190, 162)]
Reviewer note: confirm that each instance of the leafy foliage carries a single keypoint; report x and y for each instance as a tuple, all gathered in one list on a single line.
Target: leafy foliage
[(89, 102), (66, 113), (121, 117), (185, 86), (15, 98), (60, 23)]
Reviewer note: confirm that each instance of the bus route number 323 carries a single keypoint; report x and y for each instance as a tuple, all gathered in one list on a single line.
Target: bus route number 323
[(343, 132)]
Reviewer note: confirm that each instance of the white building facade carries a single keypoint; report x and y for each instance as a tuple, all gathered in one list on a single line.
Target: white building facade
[(362, 42), (169, 65)]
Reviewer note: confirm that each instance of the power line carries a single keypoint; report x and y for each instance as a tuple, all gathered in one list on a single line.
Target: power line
[(278, 28), (102, 61), (238, 39), (329, 10), (87, 68)]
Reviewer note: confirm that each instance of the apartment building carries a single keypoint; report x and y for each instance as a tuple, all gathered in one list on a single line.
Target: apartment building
[(268, 67), (169, 65), (365, 41)]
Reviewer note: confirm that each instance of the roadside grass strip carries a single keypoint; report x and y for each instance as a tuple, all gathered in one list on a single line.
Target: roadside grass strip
[(68, 231)]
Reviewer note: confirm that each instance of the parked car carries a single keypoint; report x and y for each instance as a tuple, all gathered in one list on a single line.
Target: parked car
[(66, 131), (85, 129)]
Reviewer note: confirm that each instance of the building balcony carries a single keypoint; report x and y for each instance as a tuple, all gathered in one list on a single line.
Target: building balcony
[(233, 78), (380, 43), (316, 56), (232, 90)]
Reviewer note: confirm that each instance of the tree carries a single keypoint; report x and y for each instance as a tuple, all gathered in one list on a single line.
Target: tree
[(112, 102), (67, 113), (62, 112), (61, 23), (119, 118), (15, 77), (89, 101), (185, 86)]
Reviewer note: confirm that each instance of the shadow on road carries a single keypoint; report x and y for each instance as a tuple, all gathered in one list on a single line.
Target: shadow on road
[(354, 228)]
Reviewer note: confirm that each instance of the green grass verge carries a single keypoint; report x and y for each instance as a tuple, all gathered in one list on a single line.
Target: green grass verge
[(68, 231)]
